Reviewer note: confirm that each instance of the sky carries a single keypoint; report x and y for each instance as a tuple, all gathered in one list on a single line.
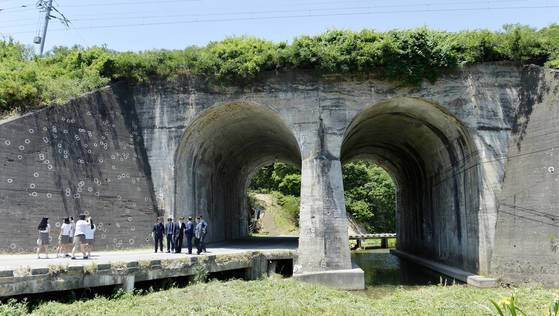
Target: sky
[(128, 25)]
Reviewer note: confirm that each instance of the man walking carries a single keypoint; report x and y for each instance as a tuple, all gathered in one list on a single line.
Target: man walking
[(169, 231), (189, 230), (179, 235), (200, 234), (157, 234)]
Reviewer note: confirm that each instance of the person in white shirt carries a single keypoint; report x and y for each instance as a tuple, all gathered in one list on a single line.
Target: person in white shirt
[(72, 229), (43, 239), (64, 238), (90, 236), (79, 236)]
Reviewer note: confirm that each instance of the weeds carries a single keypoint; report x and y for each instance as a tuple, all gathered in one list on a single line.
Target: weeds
[(13, 308), (22, 271), (119, 267), (554, 308), (57, 269), (144, 264), (90, 268), (507, 306), (200, 273)]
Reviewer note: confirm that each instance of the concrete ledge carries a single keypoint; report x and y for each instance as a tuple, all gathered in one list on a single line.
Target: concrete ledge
[(456, 273), (350, 279), (90, 274)]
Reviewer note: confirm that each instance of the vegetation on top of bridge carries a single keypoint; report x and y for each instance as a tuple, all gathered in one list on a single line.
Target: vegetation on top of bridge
[(407, 56)]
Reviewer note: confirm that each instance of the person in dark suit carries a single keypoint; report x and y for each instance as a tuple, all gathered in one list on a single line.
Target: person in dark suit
[(204, 233), (169, 231), (157, 233), (189, 231), (179, 234)]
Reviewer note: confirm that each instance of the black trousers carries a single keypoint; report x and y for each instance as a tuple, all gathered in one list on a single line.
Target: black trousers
[(189, 242), (178, 244), (158, 240), (200, 245), (170, 243)]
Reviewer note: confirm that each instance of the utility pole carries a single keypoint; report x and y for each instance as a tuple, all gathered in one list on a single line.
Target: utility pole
[(47, 18)]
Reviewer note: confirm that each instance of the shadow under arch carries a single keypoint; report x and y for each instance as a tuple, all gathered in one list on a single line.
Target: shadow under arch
[(216, 157), (433, 160)]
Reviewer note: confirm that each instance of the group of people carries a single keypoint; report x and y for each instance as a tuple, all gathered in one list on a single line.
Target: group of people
[(73, 236), (176, 231), (80, 236)]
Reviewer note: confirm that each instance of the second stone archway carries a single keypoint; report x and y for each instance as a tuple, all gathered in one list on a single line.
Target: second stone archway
[(434, 162)]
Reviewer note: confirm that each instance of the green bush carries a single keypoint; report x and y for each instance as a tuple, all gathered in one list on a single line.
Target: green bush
[(407, 56), (370, 196), (280, 177)]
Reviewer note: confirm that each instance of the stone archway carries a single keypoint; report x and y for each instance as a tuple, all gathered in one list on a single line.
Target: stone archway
[(434, 162), (216, 157)]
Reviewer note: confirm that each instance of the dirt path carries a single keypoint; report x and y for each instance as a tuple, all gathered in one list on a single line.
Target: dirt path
[(273, 220)]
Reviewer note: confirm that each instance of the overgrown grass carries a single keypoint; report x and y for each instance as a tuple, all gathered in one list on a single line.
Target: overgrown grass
[(287, 297), (288, 213), (407, 56)]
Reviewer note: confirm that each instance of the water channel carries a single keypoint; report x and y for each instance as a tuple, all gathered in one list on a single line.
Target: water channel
[(384, 269)]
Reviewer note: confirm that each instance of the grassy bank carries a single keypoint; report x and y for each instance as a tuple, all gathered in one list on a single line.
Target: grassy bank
[(287, 297)]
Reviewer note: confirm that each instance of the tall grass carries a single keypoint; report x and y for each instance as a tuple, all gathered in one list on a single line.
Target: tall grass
[(288, 297)]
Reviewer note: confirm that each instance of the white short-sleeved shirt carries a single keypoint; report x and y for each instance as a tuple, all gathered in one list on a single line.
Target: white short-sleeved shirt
[(81, 227), (90, 232), (66, 229)]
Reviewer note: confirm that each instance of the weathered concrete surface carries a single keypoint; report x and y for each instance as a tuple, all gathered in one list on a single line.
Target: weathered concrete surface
[(344, 279), (527, 226), (455, 273), (84, 157), (460, 150), (22, 274)]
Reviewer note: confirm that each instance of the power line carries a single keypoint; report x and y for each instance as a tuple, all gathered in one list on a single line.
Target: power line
[(22, 6), (369, 7), (76, 31), (310, 15), (141, 14), (135, 3)]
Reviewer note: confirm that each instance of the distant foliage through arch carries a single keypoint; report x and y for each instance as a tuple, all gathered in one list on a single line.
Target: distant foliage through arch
[(369, 193)]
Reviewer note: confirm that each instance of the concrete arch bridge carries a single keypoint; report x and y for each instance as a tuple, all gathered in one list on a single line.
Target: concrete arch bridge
[(472, 155)]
